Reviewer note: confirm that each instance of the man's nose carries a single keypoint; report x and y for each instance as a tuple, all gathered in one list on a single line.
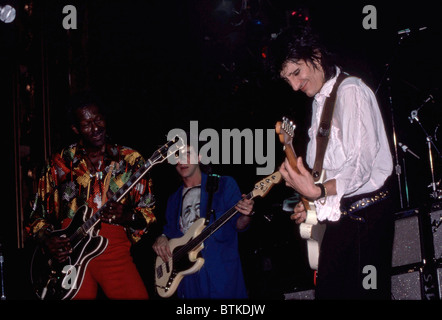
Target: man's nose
[(295, 84), (96, 124)]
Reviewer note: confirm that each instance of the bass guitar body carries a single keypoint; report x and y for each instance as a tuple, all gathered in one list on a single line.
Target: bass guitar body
[(169, 274), (186, 251)]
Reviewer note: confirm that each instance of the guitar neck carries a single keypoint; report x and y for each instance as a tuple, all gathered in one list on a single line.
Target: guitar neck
[(285, 130), (207, 232), (122, 192), (219, 222), (293, 161), (168, 149), (291, 156)]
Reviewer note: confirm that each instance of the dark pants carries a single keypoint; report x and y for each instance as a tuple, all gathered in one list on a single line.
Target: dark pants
[(355, 257)]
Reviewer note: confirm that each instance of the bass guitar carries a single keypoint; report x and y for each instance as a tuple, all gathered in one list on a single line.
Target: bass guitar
[(60, 281), (186, 258), (311, 229)]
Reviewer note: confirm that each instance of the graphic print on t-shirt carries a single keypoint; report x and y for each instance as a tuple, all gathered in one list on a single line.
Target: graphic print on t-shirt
[(191, 207)]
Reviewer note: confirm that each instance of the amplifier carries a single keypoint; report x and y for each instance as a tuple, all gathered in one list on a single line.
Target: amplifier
[(406, 286), (436, 229), (300, 295), (417, 284), (407, 246)]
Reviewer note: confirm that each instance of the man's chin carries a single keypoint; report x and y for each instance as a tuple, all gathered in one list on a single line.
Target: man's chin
[(96, 143)]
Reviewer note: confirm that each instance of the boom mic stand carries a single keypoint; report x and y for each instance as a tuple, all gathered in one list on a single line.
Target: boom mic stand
[(387, 76), (430, 142)]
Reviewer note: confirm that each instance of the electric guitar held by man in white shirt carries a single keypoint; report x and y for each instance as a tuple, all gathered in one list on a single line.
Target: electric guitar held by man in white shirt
[(311, 229)]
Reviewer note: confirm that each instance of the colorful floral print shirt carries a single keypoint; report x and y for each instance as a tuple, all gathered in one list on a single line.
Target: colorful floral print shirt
[(66, 184)]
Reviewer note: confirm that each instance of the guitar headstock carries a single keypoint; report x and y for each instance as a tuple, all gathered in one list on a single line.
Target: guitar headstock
[(263, 187), (285, 130), (169, 149)]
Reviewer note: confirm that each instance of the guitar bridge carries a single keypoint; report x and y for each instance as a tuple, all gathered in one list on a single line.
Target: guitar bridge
[(169, 283)]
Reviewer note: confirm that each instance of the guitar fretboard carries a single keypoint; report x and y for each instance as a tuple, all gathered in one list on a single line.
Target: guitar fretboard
[(207, 232), (158, 156)]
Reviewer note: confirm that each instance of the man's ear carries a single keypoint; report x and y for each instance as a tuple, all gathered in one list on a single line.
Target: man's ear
[(74, 129), (318, 57)]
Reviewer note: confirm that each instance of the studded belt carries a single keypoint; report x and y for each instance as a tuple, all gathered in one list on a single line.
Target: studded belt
[(363, 203)]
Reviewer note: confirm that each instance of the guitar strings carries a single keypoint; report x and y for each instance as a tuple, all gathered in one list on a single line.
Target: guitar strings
[(210, 230), (189, 246)]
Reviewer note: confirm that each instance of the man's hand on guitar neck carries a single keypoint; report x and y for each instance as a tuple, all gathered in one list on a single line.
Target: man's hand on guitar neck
[(302, 182)]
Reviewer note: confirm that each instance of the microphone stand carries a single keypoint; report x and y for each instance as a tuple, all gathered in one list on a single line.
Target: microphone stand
[(430, 143), (2, 280), (406, 183), (397, 167), (386, 76)]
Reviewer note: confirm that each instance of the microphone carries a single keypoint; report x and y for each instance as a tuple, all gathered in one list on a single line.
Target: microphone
[(406, 149), (413, 115), (408, 31), (428, 99)]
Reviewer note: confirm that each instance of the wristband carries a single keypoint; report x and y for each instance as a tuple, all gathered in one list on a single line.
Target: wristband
[(323, 193)]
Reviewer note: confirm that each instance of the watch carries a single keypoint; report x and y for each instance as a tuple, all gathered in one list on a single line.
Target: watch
[(323, 191)]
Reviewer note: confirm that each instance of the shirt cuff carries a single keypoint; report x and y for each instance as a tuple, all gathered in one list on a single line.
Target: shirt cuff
[(330, 210)]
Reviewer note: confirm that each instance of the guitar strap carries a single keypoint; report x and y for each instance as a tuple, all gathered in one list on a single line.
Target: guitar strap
[(324, 128), (211, 188)]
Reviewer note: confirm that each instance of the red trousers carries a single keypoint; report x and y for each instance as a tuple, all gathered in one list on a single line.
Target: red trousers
[(113, 270)]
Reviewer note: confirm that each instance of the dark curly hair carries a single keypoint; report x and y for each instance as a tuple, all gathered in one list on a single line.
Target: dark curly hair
[(83, 99), (299, 43)]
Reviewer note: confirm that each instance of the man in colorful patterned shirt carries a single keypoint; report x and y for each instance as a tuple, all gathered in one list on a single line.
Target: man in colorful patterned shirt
[(88, 173)]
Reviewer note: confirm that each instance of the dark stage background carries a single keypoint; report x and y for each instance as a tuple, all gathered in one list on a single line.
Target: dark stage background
[(160, 64)]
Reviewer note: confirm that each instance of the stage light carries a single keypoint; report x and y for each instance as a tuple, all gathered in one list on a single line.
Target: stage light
[(7, 14)]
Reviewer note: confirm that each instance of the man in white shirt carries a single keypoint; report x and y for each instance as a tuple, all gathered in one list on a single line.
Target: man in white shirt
[(357, 164)]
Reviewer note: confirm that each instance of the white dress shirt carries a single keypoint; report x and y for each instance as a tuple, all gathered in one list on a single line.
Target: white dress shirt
[(358, 155)]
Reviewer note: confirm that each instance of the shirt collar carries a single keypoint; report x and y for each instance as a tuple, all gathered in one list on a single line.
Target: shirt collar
[(327, 88)]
